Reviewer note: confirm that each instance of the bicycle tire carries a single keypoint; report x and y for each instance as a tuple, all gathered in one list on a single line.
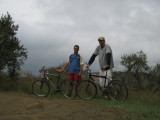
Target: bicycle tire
[(67, 88), (86, 89), (41, 88), (117, 90)]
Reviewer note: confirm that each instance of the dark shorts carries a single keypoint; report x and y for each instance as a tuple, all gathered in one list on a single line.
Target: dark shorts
[(74, 77)]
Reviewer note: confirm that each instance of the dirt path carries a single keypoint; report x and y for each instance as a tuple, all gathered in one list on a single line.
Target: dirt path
[(18, 106)]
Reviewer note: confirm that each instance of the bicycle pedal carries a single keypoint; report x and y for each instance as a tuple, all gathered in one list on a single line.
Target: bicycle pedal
[(58, 90), (102, 89), (105, 90)]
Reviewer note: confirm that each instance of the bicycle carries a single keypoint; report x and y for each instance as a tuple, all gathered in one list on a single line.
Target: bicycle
[(42, 87), (115, 90)]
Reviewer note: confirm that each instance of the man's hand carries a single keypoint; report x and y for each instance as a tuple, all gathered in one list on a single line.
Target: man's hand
[(106, 67), (80, 73), (60, 70), (87, 66)]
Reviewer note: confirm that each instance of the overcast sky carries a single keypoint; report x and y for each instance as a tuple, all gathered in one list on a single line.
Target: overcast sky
[(50, 28)]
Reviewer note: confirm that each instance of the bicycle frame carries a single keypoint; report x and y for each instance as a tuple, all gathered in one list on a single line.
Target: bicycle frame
[(92, 79), (47, 76), (41, 87)]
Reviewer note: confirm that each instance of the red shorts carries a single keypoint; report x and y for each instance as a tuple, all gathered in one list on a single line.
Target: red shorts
[(74, 77)]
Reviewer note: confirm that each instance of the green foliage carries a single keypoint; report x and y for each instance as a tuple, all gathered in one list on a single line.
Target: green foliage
[(139, 106), (12, 54), (22, 84), (136, 62), (156, 71), (154, 78), (6, 84)]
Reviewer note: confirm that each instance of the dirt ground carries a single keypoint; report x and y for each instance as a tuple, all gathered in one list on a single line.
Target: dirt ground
[(18, 106)]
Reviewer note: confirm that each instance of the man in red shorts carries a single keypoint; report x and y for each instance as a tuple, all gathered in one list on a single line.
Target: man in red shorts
[(75, 62)]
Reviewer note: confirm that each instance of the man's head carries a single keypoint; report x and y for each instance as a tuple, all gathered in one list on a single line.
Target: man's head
[(101, 41), (76, 49)]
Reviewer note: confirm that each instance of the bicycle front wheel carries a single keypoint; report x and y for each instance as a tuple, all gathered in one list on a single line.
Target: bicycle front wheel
[(40, 88), (117, 90), (86, 89), (67, 88)]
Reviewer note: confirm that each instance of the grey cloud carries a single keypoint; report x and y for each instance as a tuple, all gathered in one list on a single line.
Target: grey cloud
[(50, 29)]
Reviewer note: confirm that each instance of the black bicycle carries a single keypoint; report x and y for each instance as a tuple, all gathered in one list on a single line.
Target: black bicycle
[(115, 90)]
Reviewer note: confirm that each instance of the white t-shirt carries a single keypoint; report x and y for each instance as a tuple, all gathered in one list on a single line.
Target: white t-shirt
[(81, 59), (102, 55)]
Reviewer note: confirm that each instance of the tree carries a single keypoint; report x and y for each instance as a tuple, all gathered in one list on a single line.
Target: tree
[(12, 54), (137, 63), (155, 76)]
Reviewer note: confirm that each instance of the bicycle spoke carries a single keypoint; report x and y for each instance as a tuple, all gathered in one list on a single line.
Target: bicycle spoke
[(40, 88), (86, 89), (67, 88), (117, 91)]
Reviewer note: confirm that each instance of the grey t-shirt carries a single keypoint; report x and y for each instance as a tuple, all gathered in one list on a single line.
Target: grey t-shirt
[(102, 55)]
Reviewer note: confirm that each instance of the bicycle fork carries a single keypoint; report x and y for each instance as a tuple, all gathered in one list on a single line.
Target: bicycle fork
[(41, 85)]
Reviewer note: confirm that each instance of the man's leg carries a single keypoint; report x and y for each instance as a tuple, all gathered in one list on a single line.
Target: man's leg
[(102, 80), (77, 79), (109, 75), (109, 88), (71, 78)]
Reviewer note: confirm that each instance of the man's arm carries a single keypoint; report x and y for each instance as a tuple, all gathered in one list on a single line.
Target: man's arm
[(108, 56), (81, 68), (81, 65), (65, 65), (91, 60), (61, 70)]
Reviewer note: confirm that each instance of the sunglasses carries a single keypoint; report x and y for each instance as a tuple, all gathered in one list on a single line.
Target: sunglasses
[(100, 40)]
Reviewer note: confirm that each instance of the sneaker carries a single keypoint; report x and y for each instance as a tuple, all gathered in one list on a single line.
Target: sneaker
[(69, 94), (105, 94), (106, 97), (111, 98)]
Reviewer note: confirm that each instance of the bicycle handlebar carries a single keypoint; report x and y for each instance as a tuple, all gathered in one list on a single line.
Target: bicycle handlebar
[(45, 72), (42, 69), (88, 70), (95, 75)]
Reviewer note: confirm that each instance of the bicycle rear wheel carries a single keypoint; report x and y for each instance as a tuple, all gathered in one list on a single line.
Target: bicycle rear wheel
[(67, 88), (117, 90), (86, 89), (41, 88)]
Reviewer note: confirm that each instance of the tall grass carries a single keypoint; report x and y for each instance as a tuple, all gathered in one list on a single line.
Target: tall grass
[(6, 84), (140, 105), (21, 84), (25, 84)]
